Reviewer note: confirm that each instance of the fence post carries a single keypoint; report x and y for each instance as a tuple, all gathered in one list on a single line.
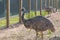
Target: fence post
[(35, 3), (40, 7), (7, 12), (48, 5), (20, 11), (44, 4), (29, 7), (53, 3), (56, 2)]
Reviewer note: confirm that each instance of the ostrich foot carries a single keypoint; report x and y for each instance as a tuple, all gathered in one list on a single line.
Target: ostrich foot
[(40, 35), (49, 33), (28, 30)]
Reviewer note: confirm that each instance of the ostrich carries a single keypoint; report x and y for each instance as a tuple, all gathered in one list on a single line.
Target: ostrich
[(38, 23), (49, 10)]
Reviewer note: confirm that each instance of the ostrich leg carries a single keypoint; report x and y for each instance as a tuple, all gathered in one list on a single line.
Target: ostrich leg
[(41, 35), (36, 36)]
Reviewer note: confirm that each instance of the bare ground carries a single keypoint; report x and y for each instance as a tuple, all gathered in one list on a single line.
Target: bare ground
[(19, 32)]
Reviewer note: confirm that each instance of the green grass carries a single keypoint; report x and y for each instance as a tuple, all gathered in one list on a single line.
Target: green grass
[(12, 20), (32, 14), (15, 19)]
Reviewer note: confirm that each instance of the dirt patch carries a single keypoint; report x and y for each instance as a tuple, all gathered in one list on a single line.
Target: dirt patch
[(21, 33)]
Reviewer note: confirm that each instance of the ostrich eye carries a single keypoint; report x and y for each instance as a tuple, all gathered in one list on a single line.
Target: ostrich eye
[(22, 9)]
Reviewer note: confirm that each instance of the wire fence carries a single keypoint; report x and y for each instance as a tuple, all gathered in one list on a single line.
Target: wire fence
[(9, 20)]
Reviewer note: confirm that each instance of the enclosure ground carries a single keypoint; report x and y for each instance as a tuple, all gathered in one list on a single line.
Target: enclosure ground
[(19, 32)]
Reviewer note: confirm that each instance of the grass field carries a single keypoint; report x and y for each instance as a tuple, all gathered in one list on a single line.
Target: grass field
[(15, 19)]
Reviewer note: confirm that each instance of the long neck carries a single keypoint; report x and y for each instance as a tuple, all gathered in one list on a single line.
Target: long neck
[(23, 17)]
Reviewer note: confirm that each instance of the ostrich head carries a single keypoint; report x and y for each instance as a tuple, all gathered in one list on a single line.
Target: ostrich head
[(25, 22), (23, 13)]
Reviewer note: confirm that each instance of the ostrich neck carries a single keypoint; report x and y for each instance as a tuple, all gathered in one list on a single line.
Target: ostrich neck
[(23, 17)]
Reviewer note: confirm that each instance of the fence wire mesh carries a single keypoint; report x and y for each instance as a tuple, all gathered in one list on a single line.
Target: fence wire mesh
[(32, 7)]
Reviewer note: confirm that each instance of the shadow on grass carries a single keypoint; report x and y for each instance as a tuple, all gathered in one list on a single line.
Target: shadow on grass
[(10, 26)]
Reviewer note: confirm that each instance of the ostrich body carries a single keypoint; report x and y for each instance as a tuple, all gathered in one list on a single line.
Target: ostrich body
[(38, 23), (49, 9)]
